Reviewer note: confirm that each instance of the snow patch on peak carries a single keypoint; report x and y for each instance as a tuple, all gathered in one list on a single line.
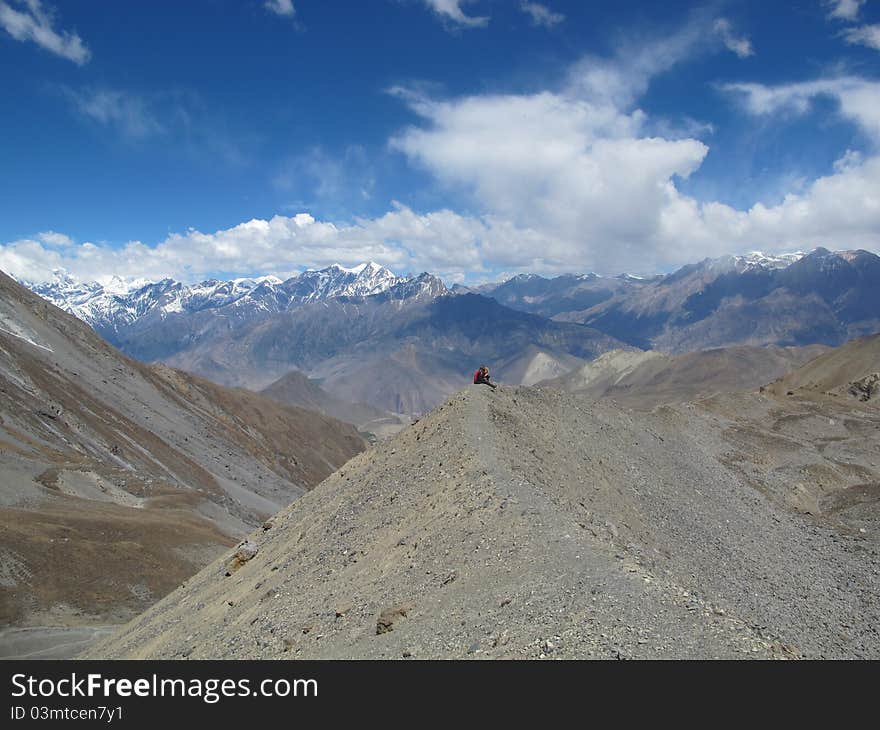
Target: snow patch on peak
[(760, 260), (114, 303)]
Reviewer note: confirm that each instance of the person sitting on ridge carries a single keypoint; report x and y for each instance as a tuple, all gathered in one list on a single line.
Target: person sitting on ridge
[(481, 377)]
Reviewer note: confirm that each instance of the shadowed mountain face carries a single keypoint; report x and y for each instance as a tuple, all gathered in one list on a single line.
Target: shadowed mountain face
[(561, 294), (822, 298), (296, 388), (532, 523), (118, 479), (399, 353)]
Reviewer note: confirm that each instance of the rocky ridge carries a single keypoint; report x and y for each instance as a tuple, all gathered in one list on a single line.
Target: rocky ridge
[(527, 523)]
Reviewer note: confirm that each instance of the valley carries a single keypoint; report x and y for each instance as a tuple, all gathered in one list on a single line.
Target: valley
[(607, 501), (118, 480)]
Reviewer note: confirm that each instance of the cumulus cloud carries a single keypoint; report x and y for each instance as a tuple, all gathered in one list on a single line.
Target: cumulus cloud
[(55, 239), (280, 7), (576, 177), (576, 168), (740, 45), (541, 15), (866, 35), (451, 12), (585, 180), (440, 241), (844, 9), (30, 21), (546, 162), (840, 210)]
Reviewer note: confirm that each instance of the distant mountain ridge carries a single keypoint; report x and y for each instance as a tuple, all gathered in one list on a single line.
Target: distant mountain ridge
[(568, 293), (111, 305), (118, 304), (123, 310), (404, 343), (795, 299), (404, 350)]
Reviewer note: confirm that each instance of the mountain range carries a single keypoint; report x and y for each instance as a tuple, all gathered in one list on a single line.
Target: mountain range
[(647, 529), (823, 298), (572, 293), (125, 311), (403, 344)]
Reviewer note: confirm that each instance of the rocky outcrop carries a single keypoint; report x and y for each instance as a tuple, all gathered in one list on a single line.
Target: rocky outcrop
[(866, 388)]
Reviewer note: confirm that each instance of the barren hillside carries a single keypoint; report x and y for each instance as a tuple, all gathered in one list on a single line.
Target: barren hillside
[(527, 523), (857, 363), (650, 378), (119, 480)]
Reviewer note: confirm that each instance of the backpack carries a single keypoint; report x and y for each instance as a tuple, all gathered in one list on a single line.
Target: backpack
[(477, 375)]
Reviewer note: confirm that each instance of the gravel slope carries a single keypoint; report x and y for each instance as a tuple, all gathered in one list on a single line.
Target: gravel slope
[(527, 523), (647, 379), (118, 480)]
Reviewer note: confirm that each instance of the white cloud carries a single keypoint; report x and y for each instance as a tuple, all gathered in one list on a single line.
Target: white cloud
[(858, 99), (450, 11), (840, 210), (55, 239), (585, 180), (621, 79), (541, 15), (574, 174), (179, 118), (441, 241), (844, 9), (576, 178), (29, 21), (317, 177), (130, 114), (866, 35), (616, 225), (280, 7), (740, 45)]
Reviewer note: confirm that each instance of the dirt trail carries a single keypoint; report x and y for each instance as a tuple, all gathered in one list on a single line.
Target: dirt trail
[(49, 642)]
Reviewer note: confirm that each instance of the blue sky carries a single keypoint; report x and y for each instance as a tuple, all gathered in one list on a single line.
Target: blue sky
[(465, 137)]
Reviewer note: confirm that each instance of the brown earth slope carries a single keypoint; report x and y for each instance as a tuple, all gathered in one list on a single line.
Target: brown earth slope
[(644, 379), (297, 388), (527, 523), (835, 372), (119, 480)]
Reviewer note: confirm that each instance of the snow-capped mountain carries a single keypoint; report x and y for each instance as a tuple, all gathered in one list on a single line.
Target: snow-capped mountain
[(116, 304), (113, 303), (760, 260), (337, 281)]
